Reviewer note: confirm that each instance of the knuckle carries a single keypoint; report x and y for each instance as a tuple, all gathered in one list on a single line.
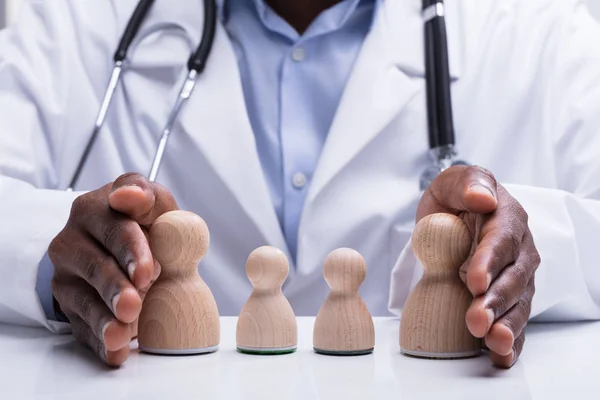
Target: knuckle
[(501, 304), (109, 288), (508, 247), (521, 277), (498, 301), (536, 259), (81, 205), (92, 268), (515, 245), (517, 216), (524, 307), (521, 213), (532, 289), (498, 258), (112, 233), (124, 255), (85, 305), (57, 247)]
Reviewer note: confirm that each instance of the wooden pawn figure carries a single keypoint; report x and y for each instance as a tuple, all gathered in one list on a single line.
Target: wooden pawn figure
[(433, 321), (344, 325), (267, 323), (179, 314)]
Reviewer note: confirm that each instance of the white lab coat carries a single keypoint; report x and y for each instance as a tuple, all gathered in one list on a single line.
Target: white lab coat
[(526, 92)]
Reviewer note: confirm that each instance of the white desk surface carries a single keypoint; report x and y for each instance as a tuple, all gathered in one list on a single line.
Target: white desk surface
[(559, 362)]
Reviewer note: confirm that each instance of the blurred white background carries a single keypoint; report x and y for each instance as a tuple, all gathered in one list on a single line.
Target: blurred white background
[(8, 9), (595, 7)]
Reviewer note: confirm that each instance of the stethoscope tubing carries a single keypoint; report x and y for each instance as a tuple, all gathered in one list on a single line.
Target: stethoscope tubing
[(133, 26), (196, 65), (440, 120), (439, 101)]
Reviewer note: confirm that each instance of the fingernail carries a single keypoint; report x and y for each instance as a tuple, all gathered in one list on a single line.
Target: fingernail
[(131, 270), (480, 189), (104, 329), (132, 187), (513, 359), (490, 315), (115, 302)]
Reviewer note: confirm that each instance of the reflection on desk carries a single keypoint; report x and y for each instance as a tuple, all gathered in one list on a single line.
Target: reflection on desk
[(560, 361)]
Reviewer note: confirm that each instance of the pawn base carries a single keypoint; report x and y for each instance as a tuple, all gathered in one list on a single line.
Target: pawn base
[(266, 351), (344, 352), (441, 356), (179, 352)]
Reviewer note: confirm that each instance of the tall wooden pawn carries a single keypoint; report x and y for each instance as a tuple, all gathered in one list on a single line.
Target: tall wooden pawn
[(344, 325), (179, 314), (433, 319), (267, 323)]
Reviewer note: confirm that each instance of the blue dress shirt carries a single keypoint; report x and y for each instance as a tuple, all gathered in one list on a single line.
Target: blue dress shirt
[(292, 86)]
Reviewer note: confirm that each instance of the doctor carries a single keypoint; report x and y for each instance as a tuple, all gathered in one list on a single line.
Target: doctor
[(307, 131)]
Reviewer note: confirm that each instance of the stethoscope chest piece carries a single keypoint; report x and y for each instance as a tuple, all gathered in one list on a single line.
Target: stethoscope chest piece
[(442, 158)]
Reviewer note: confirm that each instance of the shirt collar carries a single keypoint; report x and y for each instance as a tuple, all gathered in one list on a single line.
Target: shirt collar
[(264, 11)]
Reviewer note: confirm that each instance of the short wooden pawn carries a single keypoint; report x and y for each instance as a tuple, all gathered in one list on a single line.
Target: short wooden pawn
[(267, 323), (433, 321), (179, 314), (344, 326)]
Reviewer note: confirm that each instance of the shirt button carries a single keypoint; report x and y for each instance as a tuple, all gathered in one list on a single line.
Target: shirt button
[(299, 54), (299, 180)]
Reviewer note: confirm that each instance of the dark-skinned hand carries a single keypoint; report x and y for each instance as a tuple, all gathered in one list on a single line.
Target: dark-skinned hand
[(501, 268), (103, 265)]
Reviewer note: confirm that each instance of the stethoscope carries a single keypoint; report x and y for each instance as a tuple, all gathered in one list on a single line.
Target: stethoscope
[(196, 65), (442, 146), (442, 149)]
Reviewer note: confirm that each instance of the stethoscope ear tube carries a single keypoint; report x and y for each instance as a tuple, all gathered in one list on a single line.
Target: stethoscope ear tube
[(197, 61), (132, 29)]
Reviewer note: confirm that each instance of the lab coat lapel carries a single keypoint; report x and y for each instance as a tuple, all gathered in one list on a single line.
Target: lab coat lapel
[(216, 118), (388, 74)]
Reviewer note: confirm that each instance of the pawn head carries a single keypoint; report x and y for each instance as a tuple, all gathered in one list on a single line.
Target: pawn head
[(267, 268), (441, 242), (345, 270), (179, 240)]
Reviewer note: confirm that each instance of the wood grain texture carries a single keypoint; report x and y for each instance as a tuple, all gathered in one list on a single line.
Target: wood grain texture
[(179, 312), (267, 320), (433, 319), (344, 323)]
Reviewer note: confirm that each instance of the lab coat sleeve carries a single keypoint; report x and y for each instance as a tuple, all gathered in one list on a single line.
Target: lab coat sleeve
[(565, 219), (38, 60)]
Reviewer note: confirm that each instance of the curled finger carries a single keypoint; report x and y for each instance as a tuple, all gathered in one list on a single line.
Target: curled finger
[(85, 335), (79, 300), (509, 360), (501, 337)]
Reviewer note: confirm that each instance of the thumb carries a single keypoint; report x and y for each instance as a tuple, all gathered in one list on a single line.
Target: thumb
[(460, 189), (143, 201)]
